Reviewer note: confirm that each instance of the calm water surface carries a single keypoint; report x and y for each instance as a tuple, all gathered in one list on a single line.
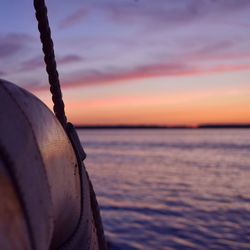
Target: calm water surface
[(172, 189)]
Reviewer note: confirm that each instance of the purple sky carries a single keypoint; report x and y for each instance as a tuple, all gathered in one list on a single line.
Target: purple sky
[(123, 42)]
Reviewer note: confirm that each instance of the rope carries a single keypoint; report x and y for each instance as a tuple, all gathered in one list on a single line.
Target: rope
[(49, 58)]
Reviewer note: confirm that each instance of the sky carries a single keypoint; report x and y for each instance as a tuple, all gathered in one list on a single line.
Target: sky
[(163, 62)]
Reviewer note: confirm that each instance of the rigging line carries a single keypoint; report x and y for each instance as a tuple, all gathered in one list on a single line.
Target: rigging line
[(49, 58), (50, 61)]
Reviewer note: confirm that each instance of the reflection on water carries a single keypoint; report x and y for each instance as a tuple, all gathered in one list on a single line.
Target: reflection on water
[(172, 189)]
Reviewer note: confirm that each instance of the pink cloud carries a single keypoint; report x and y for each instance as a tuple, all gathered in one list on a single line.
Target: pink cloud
[(151, 71), (143, 72)]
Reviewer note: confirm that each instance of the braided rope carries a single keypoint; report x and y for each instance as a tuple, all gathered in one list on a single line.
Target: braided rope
[(49, 58)]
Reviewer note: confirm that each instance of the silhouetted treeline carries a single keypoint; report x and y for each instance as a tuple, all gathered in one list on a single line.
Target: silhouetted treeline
[(224, 126)]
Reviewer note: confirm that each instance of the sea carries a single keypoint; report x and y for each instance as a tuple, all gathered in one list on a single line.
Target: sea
[(171, 188)]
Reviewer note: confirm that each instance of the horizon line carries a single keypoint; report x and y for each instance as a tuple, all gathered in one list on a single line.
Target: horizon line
[(155, 126)]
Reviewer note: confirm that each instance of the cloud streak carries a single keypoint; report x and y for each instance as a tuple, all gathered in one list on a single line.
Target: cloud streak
[(152, 71), (74, 18), (11, 44), (91, 78), (153, 13), (38, 62)]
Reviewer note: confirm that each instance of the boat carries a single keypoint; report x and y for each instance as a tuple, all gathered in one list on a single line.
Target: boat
[(47, 198)]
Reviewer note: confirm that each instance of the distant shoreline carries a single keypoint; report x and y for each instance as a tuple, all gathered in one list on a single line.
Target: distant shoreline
[(202, 126)]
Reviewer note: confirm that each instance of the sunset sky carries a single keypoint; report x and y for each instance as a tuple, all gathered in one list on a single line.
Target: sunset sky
[(163, 62)]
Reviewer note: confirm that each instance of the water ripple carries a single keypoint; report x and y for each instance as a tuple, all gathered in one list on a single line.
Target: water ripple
[(185, 189)]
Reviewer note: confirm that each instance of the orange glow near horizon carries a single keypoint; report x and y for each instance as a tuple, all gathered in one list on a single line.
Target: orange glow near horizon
[(158, 105)]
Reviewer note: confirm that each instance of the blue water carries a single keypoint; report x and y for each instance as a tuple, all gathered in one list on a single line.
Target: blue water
[(172, 189)]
